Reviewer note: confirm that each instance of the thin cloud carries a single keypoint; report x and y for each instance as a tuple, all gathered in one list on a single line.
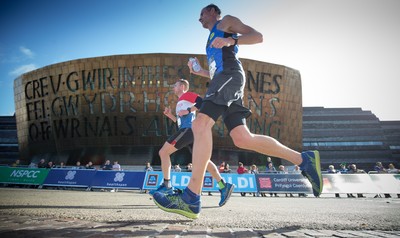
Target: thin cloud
[(27, 52), (17, 56), (23, 69)]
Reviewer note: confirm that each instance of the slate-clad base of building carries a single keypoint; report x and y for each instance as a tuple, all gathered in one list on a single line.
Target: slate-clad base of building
[(8, 140), (350, 135)]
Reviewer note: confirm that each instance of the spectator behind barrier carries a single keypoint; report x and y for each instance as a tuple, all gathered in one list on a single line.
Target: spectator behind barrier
[(332, 170), (296, 170), (50, 165), (380, 170), (78, 165), (353, 170), (270, 168), (16, 163), (189, 167), (148, 167), (227, 169), (107, 165), (269, 161), (177, 168), (116, 166), (392, 169), (89, 165), (221, 167), (241, 170), (42, 164), (61, 166), (254, 170), (343, 169), (282, 170)]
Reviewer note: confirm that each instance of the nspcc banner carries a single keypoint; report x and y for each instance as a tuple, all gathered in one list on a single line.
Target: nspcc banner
[(14, 175)]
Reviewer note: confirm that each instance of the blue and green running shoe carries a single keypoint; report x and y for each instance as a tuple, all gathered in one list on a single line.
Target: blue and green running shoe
[(176, 203), (162, 189), (311, 169), (226, 193)]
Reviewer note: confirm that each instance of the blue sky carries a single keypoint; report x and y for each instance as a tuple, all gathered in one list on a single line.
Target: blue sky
[(347, 52)]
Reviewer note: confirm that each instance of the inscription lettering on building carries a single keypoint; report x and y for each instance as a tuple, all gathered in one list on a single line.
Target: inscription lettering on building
[(119, 100)]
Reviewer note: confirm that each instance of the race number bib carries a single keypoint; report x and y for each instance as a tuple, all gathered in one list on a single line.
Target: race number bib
[(212, 68), (178, 121)]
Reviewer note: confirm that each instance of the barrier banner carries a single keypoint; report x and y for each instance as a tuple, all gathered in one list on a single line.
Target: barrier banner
[(70, 177), (118, 179), (153, 179), (386, 183), (243, 182), (348, 183), (283, 183), (13, 175)]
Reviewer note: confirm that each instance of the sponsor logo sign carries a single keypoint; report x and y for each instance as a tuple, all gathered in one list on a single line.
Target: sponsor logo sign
[(118, 179), (14, 175), (288, 183), (70, 177)]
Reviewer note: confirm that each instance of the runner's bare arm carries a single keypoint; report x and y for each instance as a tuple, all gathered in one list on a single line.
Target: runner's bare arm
[(167, 112)]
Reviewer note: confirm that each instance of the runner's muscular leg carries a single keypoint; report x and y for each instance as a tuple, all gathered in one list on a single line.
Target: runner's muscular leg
[(165, 153), (213, 170), (266, 145), (202, 148)]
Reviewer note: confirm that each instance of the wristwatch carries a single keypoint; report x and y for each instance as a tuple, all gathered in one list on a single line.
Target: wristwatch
[(235, 38)]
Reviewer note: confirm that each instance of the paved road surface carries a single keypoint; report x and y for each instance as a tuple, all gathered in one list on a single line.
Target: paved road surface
[(75, 213)]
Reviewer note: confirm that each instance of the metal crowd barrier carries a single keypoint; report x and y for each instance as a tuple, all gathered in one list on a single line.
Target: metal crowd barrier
[(264, 183)]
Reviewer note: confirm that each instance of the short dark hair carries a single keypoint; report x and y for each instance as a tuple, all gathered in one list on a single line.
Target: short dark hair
[(215, 7), (185, 83)]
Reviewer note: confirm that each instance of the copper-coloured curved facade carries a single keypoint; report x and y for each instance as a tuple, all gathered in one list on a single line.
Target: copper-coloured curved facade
[(112, 108)]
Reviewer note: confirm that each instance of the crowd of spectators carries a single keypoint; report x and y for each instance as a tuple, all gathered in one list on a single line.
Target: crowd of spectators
[(223, 168), (352, 169)]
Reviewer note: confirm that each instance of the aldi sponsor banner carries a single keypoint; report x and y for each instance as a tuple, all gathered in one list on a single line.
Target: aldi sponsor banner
[(70, 177), (287, 183), (243, 182), (118, 179), (348, 183), (13, 175), (386, 183), (153, 179)]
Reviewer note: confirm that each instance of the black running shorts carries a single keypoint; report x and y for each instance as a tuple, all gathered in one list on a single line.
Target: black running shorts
[(224, 97), (182, 138)]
